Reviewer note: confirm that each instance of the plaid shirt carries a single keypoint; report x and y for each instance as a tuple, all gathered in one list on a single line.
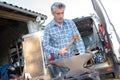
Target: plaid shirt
[(57, 37)]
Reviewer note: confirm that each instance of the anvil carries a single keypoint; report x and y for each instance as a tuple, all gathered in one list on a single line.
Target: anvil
[(75, 64)]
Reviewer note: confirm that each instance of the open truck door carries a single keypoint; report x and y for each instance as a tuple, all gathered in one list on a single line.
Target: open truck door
[(33, 57), (110, 31), (110, 35)]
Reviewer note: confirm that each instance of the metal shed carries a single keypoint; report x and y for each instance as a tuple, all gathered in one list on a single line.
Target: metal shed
[(13, 25)]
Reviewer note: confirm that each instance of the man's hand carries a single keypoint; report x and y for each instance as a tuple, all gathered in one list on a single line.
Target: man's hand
[(62, 51)]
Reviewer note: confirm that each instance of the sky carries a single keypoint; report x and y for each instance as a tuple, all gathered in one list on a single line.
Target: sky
[(74, 8)]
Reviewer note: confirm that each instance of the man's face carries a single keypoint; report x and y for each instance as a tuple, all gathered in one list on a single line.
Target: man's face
[(58, 14)]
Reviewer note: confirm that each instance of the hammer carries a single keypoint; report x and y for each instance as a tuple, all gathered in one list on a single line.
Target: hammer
[(75, 37)]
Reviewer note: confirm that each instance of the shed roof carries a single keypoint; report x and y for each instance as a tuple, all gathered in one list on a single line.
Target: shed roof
[(20, 10)]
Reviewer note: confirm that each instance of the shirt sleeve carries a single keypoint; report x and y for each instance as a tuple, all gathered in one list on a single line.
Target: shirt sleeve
[(79, 44), (46, 43)]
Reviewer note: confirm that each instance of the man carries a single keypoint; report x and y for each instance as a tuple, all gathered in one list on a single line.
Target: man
[(58, 34)]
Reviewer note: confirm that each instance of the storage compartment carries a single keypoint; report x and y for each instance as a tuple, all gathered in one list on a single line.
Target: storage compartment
[(91, 38)]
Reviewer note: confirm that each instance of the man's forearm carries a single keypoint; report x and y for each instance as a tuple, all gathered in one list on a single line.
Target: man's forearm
[(51, 49)]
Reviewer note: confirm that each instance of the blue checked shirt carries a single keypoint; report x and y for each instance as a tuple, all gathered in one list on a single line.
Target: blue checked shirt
[(57, 37)]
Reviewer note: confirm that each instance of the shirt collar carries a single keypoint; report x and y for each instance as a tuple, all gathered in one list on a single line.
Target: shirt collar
[(55, 24)]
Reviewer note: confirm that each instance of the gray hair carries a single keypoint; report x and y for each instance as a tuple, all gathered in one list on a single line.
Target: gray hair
[(57, 5)]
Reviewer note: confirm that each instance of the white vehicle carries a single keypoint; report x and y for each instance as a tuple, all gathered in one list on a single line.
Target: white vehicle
[(98, 32)]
